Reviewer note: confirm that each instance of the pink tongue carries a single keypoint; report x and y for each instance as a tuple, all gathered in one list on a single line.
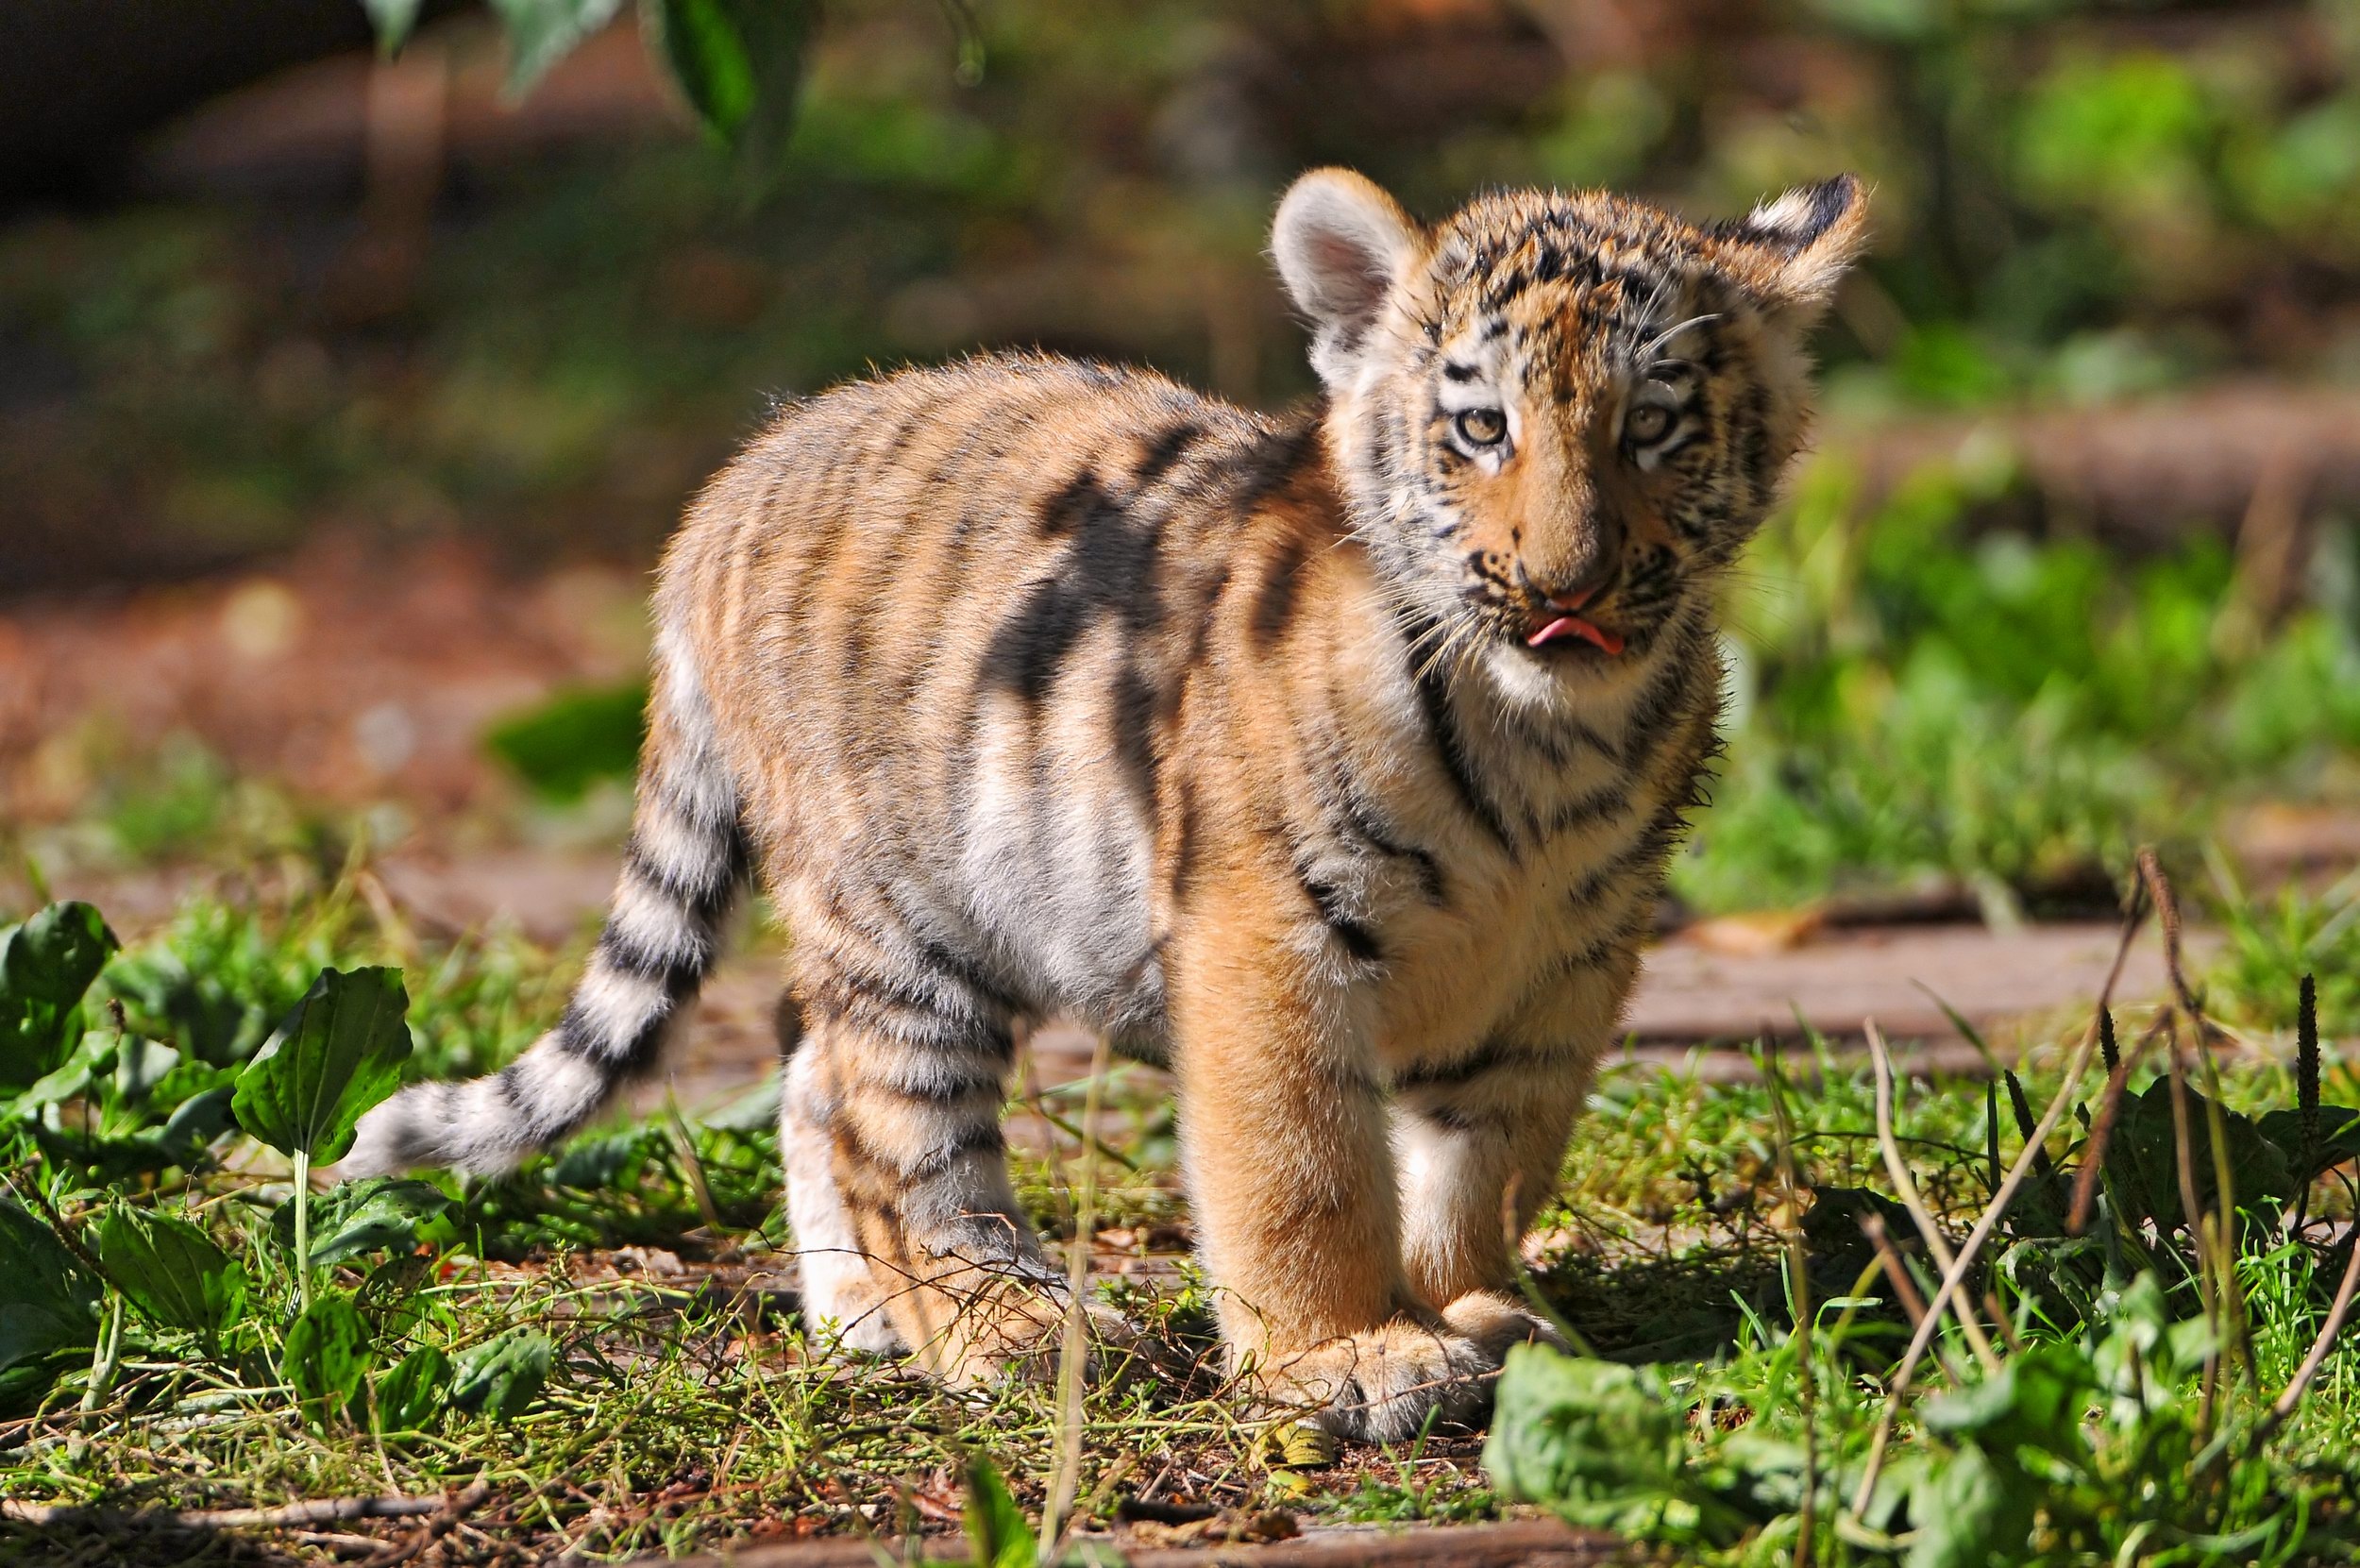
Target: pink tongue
[(1605, 641)]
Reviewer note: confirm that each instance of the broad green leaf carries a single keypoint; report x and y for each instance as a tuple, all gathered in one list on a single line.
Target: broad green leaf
[(414, 1391), (71, 1078), (2338, 1137), (194, 1127), (169, 1270), (997, 1530), (1598, 1442), (326, 1358), (140, 1066), (339, 1052), (393, 20), (1970, 1512), (364, 1216), (502, 1377), (2036, 1400), (2259, 1172), (47, 1307), (739, 63), (542, 32), (46, 965)]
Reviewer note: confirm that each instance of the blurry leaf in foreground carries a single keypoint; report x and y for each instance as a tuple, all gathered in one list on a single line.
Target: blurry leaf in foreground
[(46, 1302), (738, 62), (542, 32), (501, 1378), (574, 739), (46, 965), (171, 1270), (339, 1052), (1596, 1440), (998, 1533)]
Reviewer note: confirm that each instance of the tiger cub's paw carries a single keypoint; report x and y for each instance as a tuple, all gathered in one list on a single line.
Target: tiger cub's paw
[(1022, 1339), (1381, 1385)]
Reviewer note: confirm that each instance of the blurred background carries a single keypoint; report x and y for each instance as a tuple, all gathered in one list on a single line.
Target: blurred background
[(346, 396)]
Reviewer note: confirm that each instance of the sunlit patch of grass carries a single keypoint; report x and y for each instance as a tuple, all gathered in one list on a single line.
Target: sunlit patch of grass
[(686, 1409)]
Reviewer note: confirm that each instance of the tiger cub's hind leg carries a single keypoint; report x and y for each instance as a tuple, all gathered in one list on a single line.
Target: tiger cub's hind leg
[(842, 1303), (905, 1095)]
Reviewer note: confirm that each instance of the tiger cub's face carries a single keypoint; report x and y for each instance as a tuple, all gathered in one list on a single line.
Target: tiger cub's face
[(1558, 415)]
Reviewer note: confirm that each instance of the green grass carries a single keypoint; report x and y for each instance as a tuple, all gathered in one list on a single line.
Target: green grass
[(1917, 700), (686, 1410)]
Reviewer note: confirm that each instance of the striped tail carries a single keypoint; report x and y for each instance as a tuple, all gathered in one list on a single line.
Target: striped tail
[(682, 874)]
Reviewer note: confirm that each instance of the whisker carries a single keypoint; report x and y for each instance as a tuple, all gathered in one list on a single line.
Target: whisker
[(1646, 352)]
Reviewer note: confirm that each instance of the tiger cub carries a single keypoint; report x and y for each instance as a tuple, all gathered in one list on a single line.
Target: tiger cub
[(1331, 759)]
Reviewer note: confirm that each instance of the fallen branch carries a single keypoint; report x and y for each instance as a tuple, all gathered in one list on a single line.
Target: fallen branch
[(1501, 1545), (321, 1511)]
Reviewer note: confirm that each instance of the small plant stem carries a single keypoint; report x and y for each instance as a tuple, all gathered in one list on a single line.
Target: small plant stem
[(107, 1357), (1066, 1479), (2101, 1132), (303, 1226), (1898, 1167), (1512, 1237), (1799, 1306), (2199, 1228), (692, 1168), (2307, 1094)]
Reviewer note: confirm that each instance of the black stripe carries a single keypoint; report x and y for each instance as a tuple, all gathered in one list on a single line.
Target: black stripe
[(1350, 934), (1132, 706), (960, 1082), (1110, 567), (1184, 848), (705, 898), (1462, 1071), (1442, 730), (1273, 459), (614, 1058), (619, 952), (983, 1138), (1360, 821), (1663, 694), (1274, 600), (1596, 806), (1164, 452)]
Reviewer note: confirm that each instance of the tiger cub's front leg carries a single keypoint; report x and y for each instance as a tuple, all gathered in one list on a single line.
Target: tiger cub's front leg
[(1285, 1138), (1481, 1137)]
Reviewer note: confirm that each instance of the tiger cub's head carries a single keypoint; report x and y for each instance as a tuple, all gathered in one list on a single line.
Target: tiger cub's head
[(1556, 415)]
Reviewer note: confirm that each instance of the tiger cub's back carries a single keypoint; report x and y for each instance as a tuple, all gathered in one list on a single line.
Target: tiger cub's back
[(946, 621)]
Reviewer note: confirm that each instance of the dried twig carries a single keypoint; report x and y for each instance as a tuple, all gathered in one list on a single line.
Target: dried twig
[(1989, 1219), (320, 1510), (1937, 1247)]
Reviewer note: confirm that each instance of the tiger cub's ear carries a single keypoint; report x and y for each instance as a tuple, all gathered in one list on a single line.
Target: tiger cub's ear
[(1798, 247), (1341, 243)]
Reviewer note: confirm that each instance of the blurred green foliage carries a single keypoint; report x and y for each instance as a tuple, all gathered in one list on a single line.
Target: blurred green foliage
[(1915, 698), (2076, 201)]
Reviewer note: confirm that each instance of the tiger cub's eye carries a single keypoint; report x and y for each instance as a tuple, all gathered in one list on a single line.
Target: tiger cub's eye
[(1482, 427), (1647, 424)]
